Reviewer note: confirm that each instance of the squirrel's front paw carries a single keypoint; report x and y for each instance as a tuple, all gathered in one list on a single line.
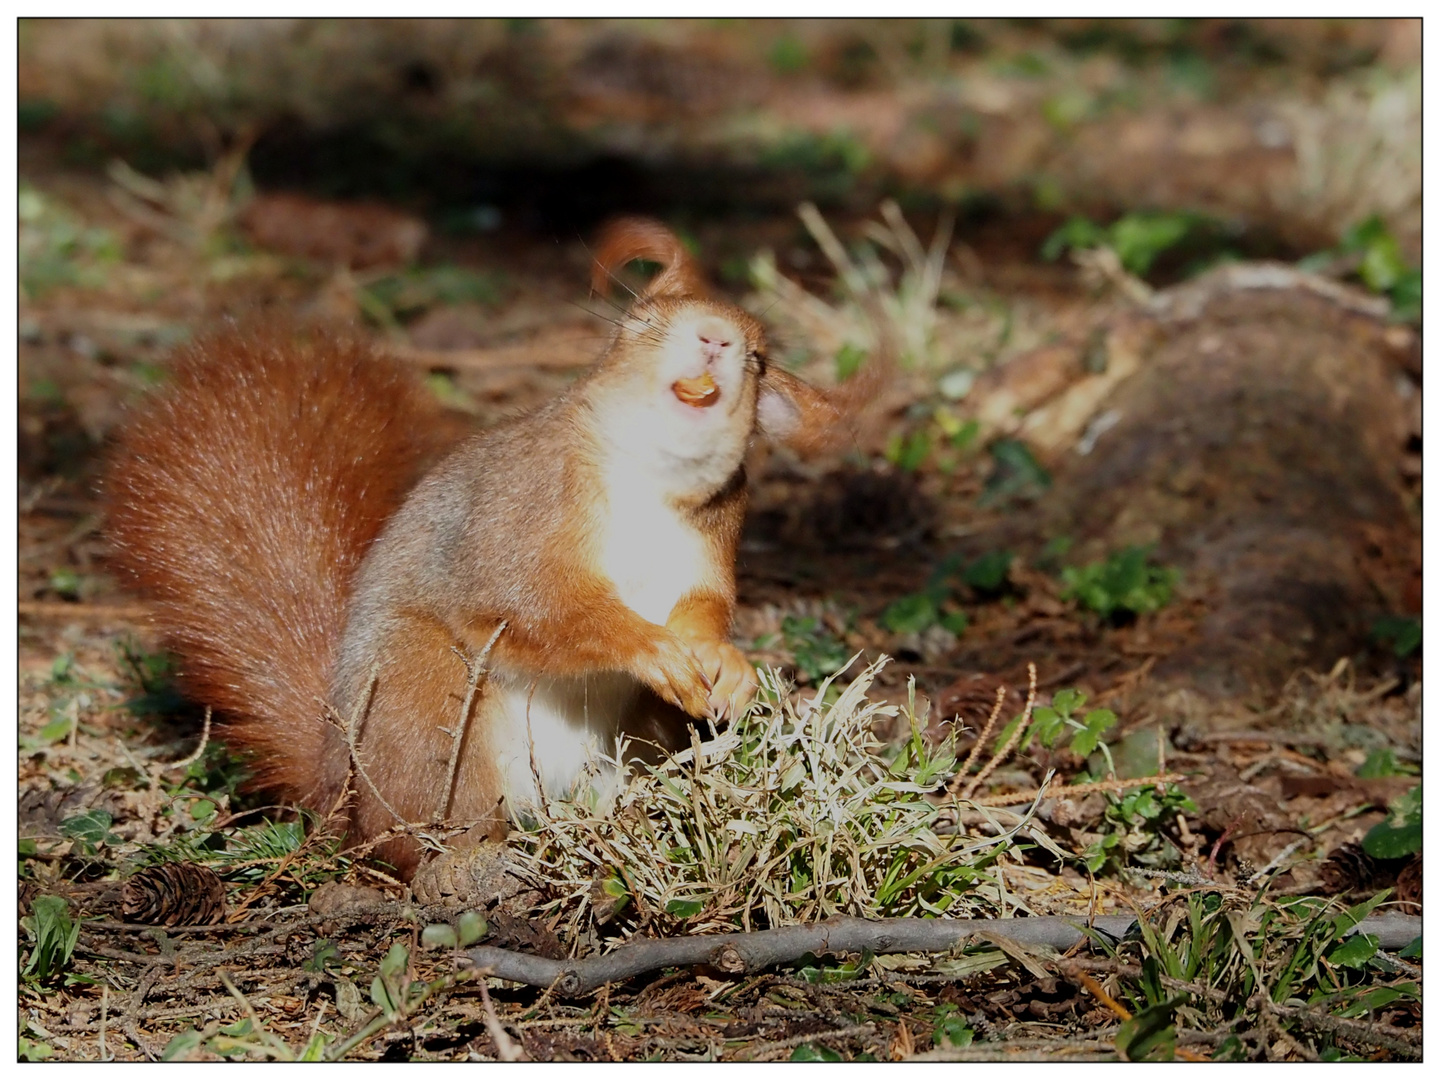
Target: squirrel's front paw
[(732, 677), (674, 672)]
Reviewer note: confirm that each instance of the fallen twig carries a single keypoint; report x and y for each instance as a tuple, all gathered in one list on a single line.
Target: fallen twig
[(743, 952), (740, 953)]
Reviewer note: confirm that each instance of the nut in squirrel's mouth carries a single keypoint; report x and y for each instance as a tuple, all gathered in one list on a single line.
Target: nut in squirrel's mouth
[(699, 392)]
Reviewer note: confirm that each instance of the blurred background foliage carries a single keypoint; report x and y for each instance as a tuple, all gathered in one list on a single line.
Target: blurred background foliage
[(1304, 127)]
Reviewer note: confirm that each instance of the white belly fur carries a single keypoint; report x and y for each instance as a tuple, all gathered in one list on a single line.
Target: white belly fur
[(651, 555), (558, 731), (653, 558)]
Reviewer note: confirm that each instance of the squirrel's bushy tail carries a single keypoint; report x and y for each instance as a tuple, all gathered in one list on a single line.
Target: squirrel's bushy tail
[(241, 499)]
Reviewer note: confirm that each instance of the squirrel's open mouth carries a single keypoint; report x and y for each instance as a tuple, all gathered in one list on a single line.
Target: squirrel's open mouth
[(699, 392)]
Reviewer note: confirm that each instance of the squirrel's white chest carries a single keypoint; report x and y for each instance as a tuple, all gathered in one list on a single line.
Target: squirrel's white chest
[(652, 555)]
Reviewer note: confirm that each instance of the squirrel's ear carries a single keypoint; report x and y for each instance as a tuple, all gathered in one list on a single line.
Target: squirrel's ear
[(627, 239), (791, 411)]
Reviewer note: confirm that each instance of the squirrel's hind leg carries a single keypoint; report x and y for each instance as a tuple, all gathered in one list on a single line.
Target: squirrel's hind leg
[(405, 739)]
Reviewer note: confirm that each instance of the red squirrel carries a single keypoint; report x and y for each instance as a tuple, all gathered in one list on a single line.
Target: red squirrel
[(270, 501)]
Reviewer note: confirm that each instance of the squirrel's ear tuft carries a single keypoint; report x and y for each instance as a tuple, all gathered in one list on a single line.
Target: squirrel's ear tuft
[(791, 411), (626, 239)]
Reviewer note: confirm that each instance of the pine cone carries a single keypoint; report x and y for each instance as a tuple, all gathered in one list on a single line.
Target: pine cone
[(174, 894)]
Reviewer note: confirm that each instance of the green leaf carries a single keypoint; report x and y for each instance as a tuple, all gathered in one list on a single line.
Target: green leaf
[(323, 953), (817, 652), (1364, 235), (396, 961), (788, 55), (684, 909), (1138, 239), (1372, 1000), (1355, 952), (964, 435), (1097, 722), (439, 936), (1402, 633), (909, 452), (1067, 701), (957, 622), (1382, 762), (380, 994), (952, 1031), (910, 614), (1149, 1035), (811, 1052), (471, 926), (1015, 473), (1385, 841), (412, 291), (989, 572), (1382, 265), (315, 1048), (56, 730), (848, 361), (181, 1046), (66, 582), (1401, 833), (1046, 725), (54, 934), (1406, 297), (1123, 582), (91, 827), (35, 1051), (1412, 951), (1078, 232)]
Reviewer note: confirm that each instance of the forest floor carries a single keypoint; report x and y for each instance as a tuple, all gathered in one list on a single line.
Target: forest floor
[(870, 552)]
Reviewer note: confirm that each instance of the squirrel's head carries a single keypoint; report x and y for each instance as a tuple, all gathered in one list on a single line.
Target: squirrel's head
[(686, 381)]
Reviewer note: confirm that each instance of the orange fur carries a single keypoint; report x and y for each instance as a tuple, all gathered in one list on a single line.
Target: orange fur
[(627, 239), (241, 499)]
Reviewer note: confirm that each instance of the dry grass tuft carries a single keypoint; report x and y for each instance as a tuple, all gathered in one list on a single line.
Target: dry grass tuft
[(1358, 154), (793, 815), (892, 295)]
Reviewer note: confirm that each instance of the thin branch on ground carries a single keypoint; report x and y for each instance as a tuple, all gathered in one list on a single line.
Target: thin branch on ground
[(740, 953)]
